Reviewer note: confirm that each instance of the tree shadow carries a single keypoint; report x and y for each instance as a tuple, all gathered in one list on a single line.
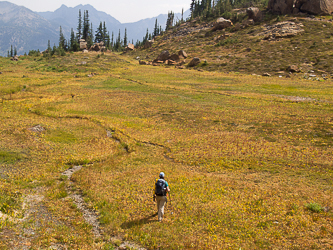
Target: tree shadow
[(146, 220)]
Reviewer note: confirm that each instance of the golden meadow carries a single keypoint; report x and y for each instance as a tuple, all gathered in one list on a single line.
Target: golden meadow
[(248, 158)]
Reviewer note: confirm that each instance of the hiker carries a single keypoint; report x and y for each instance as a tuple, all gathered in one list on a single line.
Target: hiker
[(161, 189)]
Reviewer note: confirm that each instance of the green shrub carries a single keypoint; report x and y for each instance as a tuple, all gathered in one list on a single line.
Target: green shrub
[(314, 207)]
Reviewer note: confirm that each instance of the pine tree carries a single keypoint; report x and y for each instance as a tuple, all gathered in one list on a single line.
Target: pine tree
[(156, 31), (86, 26), (99, 37), (8, 55), (125, 38), (11, 51), (170, 19), (112, 44), (62, 40), (105, 34), (74, 46), (15, 51), (79, 27)]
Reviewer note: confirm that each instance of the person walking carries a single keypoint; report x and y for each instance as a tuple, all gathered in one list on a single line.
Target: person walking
[(161, 190)]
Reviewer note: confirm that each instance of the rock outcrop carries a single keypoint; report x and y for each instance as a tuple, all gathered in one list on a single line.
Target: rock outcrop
[(221, 24), (316, 7), (281, 7), (281, 30), (98, 47)]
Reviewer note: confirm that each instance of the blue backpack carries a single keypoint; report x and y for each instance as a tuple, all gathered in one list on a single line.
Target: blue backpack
[(160, 187)]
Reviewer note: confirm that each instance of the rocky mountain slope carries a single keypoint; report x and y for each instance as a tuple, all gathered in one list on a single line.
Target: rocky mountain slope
[(271, 46), (24, 29)]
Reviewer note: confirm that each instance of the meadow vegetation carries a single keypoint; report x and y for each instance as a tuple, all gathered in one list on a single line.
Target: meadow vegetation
[(248, 158)]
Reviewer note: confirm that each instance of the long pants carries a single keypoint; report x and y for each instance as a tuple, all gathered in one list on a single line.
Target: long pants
[(161, 200)]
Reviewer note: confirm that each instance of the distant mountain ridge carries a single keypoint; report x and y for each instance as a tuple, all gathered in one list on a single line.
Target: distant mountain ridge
[(27, 30)]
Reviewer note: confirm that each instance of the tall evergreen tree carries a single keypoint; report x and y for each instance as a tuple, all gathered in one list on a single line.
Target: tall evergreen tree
[(156, 31), (11, 51), (62, 40), (74, 46), (79, 26), (15, 51), (112, 43), (86, 26), (170, 20), (125, 38), (99, 35)]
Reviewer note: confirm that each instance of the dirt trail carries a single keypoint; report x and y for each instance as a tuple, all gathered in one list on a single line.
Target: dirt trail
[(89, 215)]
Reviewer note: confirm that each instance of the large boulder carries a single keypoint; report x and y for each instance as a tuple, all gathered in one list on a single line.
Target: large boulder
[(174, 57), (148, 44), (83, 44), (254, 13), (130, 47), (163, 56), (182, 53), (316, 7), (281, 7), (194, 62), (221, 24)]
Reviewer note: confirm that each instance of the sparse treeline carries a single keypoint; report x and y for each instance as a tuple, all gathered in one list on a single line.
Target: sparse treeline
[(215, 8), (12, 52), (149, 36), (84, 31)]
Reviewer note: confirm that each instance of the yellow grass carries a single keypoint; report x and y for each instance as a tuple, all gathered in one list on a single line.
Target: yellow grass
[(244, 155)]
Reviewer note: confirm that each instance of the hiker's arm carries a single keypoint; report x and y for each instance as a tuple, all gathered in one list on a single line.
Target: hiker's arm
[(167, 189)]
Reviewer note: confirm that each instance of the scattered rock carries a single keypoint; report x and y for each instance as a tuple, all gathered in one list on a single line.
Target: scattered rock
[(0, 72), (326, 209), (163, 56), (266, 74), (98, 47), (293, 69), (174, 57), (83, 44), (221, 24), (81, 63), (141, 62), (149, 44), (85, 51), (14, 58), (254, 13), (130, 47), (182, 53), (194, 62), (247, 23), (37, 128)]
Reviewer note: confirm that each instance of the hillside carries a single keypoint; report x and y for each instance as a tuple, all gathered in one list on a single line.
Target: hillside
[(269, 46)]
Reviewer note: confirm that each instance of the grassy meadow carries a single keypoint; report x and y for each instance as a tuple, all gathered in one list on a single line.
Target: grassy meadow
[(248, 158)]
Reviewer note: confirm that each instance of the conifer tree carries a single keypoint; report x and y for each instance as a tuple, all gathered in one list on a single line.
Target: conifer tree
[(125, 38), (86, 26), (99, 37), (11, 51), (62, 40), (15, 51), (74, 46), (170, 19), (79, 26), (156, 31)]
